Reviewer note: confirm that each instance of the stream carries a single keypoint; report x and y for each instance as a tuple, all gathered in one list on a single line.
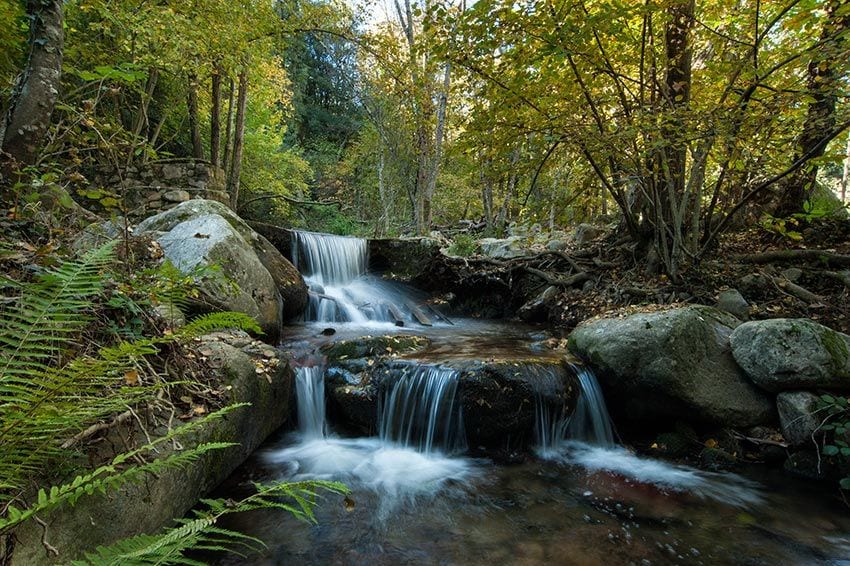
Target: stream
[(418, 497)]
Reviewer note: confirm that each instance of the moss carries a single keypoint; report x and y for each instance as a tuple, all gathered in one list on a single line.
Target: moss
[(374, 346), (837, 348)]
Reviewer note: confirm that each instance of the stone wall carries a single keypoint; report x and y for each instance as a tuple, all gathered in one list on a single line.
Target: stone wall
[(151, 188)]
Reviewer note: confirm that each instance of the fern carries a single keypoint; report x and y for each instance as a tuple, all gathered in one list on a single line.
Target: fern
[(201, 532), (43, 401)]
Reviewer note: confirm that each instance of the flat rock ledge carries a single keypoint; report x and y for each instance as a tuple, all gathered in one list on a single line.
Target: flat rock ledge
[(255, 376)]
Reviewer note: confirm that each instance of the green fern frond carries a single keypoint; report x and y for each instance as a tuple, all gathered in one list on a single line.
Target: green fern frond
[(202, 533)]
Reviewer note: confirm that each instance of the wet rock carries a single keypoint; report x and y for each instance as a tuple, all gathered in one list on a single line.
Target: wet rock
[(796, 416), (499, 398), (405, 258), (672, 364), (373, 346), (734, 303), (787, 354)]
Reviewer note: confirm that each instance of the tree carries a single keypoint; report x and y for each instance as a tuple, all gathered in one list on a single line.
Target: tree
[(664, 101), (28, 116)]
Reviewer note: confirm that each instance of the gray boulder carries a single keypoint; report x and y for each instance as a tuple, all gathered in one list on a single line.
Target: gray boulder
[(672, 365), (786, 354), (734, 303), (255, 278), (796, 416), (504, 248)]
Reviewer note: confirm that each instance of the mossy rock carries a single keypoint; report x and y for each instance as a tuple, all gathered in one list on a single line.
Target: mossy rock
[(786, 354), (368, 346)]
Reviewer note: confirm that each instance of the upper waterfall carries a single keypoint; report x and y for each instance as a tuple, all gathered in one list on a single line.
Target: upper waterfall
[(341, 290)]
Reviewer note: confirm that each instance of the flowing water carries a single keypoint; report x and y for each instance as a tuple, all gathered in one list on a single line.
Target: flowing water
[(583, 500)]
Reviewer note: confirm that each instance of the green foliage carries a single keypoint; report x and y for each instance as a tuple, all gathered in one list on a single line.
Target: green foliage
[(835, 413), (463, 245), (201, 532), (49, 390)]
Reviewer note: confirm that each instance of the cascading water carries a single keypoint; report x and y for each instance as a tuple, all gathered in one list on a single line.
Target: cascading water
[(421, 410), (335, 270), (589, 422), (310, 395)]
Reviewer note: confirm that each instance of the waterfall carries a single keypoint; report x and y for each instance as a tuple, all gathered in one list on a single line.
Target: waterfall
[(324, 259), (421, 410), (589, 422), (334, 268), (310, 395)]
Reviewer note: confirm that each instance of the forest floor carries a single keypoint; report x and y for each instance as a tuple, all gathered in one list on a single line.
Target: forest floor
[(777, 276)]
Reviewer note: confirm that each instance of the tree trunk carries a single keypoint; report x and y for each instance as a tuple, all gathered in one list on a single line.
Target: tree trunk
[(823, 87), (228, 127), (438, 143), (194, 123), (384, 221), (215, 119), (671, 202), (238, 139), (845, 176), (28, 117)]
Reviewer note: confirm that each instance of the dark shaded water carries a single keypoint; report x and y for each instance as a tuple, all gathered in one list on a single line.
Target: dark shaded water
[(547, 512), (578, 504)]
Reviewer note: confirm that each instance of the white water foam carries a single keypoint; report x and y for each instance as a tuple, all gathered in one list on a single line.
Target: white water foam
[(727, 488), (396, 474)]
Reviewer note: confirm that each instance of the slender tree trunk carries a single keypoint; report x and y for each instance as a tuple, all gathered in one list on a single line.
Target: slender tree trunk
[(238, 139), (142, 117), (382, 192), (215, 119), (228, 127), (194, 122), (487, 197), (438, 143), (845, 176), (823, 86), (28, 117)]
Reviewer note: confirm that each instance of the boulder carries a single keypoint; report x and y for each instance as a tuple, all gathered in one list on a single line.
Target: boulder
[(504, 248), (204, 232), (148, 505), (674, 364), (734, 303), (789, 354), (499, 398), (796, 416)]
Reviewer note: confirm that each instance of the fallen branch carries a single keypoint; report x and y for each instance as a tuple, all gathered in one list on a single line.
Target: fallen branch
[(797, 291), (820, 256), (757, 441), (95, 428), (561, 281), (841, 276)]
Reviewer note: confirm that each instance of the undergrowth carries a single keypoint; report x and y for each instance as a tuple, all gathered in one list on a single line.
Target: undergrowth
[(65, 372)]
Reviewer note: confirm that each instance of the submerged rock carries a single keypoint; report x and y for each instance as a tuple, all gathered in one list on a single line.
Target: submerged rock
[(499, 398), (672, 364), (786, 354)]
